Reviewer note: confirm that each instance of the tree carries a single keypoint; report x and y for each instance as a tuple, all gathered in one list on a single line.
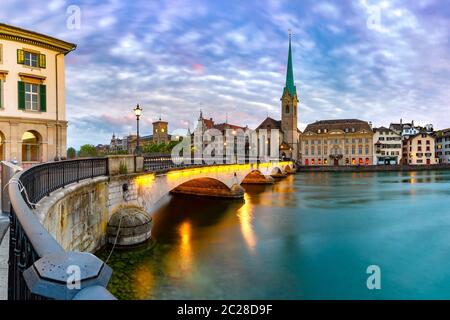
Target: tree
[(71, 153), (87, 150)]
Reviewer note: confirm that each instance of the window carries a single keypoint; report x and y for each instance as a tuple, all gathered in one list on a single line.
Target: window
[(319, 162), (353, 161), (367, 149), (325, 161), (360, 162), (287, 108), (31, 97), (306, 162), (312, 162), (31, 59), (1, 53)]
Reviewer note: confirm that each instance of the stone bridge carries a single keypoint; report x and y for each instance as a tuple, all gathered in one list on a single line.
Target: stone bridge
[(216, 181), (77, 215)]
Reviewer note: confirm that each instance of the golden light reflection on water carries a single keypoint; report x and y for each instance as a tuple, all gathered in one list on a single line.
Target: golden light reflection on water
[(144, 282), (412, 176), (185, 232), (245, 214), (178, 263)]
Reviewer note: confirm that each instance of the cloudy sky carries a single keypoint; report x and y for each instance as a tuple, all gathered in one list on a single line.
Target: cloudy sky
[(369, 59)]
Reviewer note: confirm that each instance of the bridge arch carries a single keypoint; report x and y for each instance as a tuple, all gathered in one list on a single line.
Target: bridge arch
[(208, 187)]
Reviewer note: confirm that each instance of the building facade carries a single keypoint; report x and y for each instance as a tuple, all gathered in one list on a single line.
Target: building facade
[(442, 142), (387, 146), (33, 125), (419, 149), (343, 142), (222, 141)]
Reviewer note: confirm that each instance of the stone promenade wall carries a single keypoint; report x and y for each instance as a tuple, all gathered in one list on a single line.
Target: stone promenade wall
[(375, 168)]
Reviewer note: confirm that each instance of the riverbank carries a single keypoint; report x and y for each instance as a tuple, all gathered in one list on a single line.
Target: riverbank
[(374, 168)]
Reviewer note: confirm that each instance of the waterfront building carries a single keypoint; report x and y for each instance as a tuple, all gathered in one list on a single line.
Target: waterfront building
[(287, 126), (409, 129), (419, 149), (204, 124), (387, 146), (337, 142), (442, 143), (33, 121)]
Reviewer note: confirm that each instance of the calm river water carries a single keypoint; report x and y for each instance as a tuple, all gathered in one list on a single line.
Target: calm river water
[(310, 236)]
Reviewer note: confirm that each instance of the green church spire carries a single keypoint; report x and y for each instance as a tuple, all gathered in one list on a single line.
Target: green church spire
[(290, 86)]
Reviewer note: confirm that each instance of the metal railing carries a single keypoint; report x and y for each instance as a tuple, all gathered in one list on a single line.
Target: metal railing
[(160, 162), (39, 268)]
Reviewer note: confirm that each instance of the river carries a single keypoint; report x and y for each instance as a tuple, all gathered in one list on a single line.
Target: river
[(309, 236)]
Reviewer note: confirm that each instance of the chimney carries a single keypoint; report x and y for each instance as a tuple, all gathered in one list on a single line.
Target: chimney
[(401, 121), (412, 123)]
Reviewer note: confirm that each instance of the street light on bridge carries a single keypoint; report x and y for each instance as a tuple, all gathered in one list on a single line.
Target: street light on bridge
[(137, 112)]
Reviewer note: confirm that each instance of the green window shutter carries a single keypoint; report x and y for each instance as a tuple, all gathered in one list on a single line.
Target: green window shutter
[(20, 56), (21, 91), (42, 61), (42, 98)]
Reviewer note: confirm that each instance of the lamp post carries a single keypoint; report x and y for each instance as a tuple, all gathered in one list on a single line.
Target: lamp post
[(137, 112)]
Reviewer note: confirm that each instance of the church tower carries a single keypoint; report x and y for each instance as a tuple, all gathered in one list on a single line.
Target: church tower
[(289, 103)]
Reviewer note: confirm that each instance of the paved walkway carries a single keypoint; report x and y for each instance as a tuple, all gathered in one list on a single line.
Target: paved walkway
[(4, 267)]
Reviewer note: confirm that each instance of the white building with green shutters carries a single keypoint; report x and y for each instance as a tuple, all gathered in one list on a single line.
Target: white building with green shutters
[(33, 122)]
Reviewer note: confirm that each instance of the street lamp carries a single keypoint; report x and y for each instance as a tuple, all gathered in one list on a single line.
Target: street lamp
[(137, 112)]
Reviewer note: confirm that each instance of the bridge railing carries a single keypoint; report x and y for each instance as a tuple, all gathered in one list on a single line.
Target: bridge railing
[(165, 162), (39, 268)]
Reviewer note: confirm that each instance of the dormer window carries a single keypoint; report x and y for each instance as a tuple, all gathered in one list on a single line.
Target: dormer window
[(346, 130), (353, 129), (319, 131), (325, 130)]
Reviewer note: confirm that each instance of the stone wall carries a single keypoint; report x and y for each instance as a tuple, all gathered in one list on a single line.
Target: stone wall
[(76, 216), (375, 168)]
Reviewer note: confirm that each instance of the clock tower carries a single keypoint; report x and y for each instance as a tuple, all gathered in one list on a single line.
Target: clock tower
[(289, 102)]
